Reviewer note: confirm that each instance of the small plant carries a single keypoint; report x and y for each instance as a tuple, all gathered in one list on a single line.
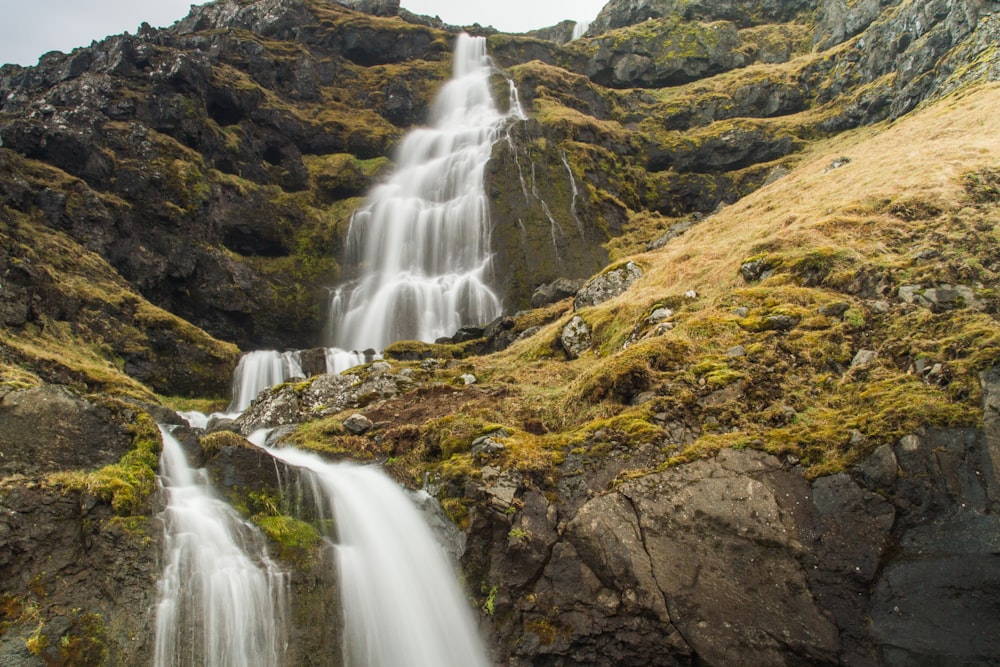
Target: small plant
[(489, 604), (517, 533)]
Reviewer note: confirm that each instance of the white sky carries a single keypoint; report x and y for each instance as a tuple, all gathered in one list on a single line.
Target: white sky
[(29, 28)]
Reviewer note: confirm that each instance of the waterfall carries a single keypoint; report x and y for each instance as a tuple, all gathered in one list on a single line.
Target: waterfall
[(421, 241), (402, 603), (580, 28), (338, 361), (222, 600), (260, 370)]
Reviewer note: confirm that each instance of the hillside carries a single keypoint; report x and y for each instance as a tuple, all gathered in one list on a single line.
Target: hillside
[(742, 405)]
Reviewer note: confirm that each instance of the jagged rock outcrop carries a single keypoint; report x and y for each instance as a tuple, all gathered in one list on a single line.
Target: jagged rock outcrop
[(321, 396), (620, 13), (191, 143)]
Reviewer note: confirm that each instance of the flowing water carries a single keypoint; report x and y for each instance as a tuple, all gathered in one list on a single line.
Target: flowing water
[(402, 603), (580, 28), (422, 246), (421, 241), (261, 370), (222, 601)]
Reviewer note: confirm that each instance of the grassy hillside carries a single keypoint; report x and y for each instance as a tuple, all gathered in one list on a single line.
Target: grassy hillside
[(767, 363)]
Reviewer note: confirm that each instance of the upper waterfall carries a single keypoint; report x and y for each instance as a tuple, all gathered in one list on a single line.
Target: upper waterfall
[(421, 242)]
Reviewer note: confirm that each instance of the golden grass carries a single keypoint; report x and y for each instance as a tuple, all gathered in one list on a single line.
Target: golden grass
[(905, 183)]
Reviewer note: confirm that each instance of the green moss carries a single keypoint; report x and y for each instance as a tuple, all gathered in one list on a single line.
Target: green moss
[(128, 484), (453, 434), (213, 442), (290, 533)]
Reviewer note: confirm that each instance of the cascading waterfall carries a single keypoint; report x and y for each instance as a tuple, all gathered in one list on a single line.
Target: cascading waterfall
[(222, 601), (261, 370), (422, 244), (580, 29), (422, 239), (402, 603)]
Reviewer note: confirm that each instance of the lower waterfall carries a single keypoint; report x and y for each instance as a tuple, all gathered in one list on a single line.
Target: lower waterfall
[(402, 603), (223, 601)]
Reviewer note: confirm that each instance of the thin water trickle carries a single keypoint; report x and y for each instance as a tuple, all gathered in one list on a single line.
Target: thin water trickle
[(222, 600), (421, 241)]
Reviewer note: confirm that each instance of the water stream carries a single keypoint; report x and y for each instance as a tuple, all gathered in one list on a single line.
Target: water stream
[(223, 601), (402, 603), (421, 241), (421, 244)]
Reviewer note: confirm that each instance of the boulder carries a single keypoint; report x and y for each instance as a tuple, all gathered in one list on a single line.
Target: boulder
[(575, 337), (557, 290), (607, 286)]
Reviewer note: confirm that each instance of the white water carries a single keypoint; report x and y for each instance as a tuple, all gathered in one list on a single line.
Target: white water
[(260, 370), (580, 28), (422, 240), (402, 603), (338, 361), (222, 601)]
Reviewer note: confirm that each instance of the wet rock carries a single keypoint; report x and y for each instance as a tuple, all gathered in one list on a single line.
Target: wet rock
[(607, 286), (323, 395), (575, 337)]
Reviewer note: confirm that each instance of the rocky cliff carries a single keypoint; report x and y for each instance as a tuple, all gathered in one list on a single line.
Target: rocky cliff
[(742, 407)]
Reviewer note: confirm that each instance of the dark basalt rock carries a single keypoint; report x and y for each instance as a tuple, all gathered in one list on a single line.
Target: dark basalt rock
[(741, 559), (47, 429)]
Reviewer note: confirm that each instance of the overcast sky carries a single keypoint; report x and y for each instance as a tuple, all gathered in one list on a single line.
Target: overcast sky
[(29, 28)]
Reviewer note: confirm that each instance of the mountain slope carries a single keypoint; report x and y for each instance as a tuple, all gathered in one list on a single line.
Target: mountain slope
[(766, 424)]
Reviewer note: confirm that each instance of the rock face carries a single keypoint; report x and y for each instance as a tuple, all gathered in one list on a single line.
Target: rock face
[(740, 559), (48, 429), (199, 128), (320, 396), (91, 580), (620, 13), (76, 577), (545, 226)]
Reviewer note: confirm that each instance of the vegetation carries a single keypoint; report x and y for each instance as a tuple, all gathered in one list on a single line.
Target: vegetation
[(128, 484)]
